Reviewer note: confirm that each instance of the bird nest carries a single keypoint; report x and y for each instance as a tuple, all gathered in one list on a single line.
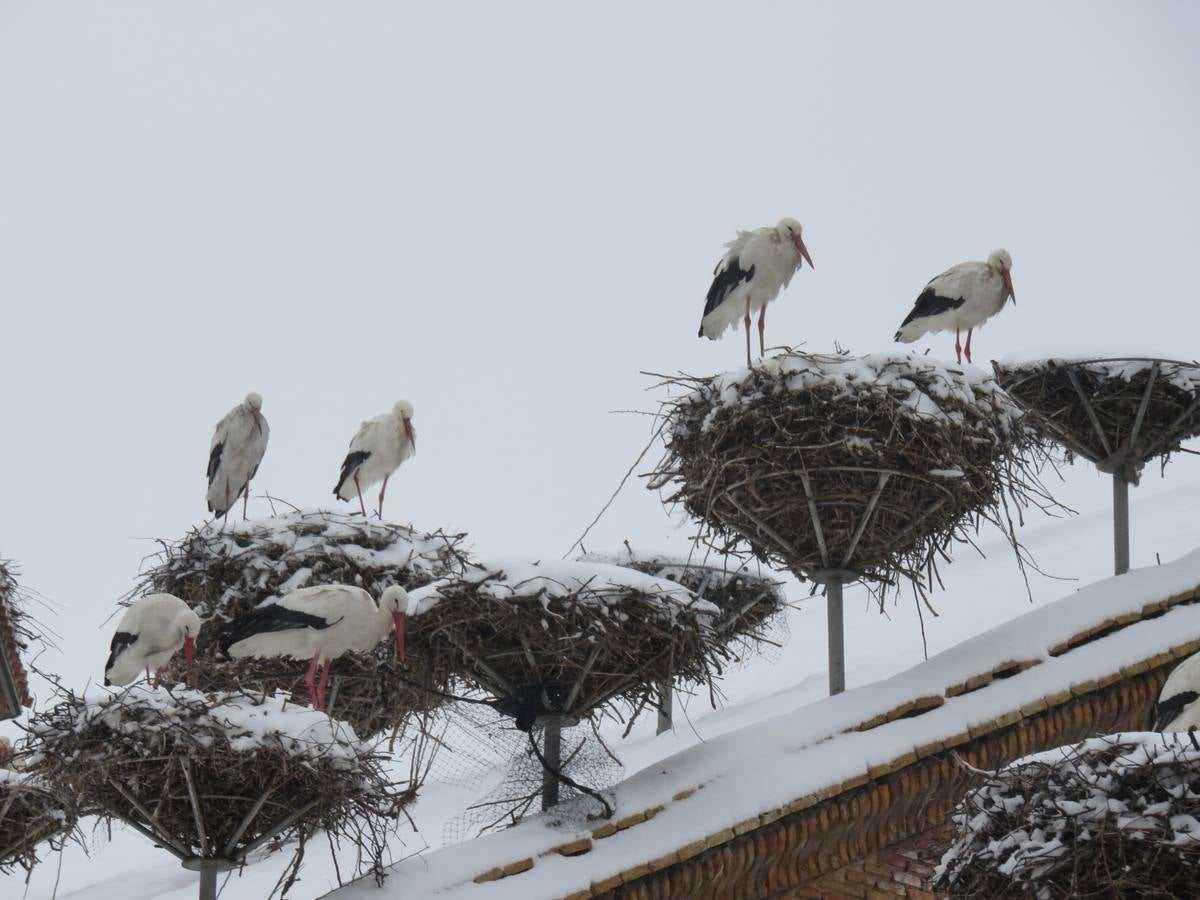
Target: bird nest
[(848, 467), (223, 572), (750, 604), (550, 642), (213, 777), (1117, 413), (30, 814), (1114, 816), (17, 635)]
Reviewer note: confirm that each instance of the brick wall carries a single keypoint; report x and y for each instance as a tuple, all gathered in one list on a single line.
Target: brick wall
[(903, 870)]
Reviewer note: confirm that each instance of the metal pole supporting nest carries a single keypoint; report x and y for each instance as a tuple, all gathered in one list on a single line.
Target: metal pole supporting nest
[(1120, 523), (665, 706), (208, 869), (552, 737), (833, 579)]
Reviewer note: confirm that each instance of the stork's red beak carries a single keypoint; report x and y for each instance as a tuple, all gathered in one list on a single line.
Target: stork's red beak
[(189, 651), (408, 430), (802, 250), (1008, 284), (399, 618)]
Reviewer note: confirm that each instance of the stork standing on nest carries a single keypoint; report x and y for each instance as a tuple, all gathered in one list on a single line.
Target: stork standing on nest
[(1178, 707), (238, 444), (149, 634), (321, 623), (376, 452), (964, 296), (757, 266)]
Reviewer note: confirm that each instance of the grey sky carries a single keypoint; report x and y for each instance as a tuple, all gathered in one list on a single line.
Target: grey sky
[(504, 212)]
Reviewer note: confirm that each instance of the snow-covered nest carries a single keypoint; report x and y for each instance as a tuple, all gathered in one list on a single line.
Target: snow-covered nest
[(17, 629), (1119, 412), (751, 604), (216, 776), (872, 464), (225, 570), (1115, 816), (29, 815), (566, 638)]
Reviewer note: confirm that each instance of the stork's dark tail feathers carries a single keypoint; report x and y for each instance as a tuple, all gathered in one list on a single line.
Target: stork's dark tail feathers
[(349, 464)]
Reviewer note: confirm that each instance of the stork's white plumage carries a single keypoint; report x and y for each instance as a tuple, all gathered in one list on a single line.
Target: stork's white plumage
[(149, 634), (1178, 707), (964, 296), (757, 266), (376, 452), (238, 444), (321, 623)]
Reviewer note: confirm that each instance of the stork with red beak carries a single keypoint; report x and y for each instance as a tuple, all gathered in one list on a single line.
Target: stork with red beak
[(757, 266), (321, 622), (238, 444), (965, 296), (376, 451), (149, 634)]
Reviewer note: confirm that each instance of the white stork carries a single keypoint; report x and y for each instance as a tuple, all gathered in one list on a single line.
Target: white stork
[(320, 622), (1178, 707), (964, 296), (750, 275), (149, 634), (238, 444), (376, 452)]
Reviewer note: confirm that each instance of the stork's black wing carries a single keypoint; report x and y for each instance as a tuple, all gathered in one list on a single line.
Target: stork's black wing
[(270, 618), (349, 464), (1166, 710), (214, 460), (121, 642), (727, 278), (930, 304)]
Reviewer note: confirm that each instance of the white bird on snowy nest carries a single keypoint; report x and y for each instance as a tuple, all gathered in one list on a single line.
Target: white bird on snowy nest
[(149, 634), (376, 452), (321, 622), (964, 296), (238, 444), (1178, 707), (750, 275)]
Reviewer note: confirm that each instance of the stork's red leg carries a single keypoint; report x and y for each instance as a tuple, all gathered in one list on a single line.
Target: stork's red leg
[(147, 674), (308, 680), (358, 487), (957, 346), (246, 502), (747, 322), (968, 347), (324, 682), (157, 678), (381, 490), (228, 500)]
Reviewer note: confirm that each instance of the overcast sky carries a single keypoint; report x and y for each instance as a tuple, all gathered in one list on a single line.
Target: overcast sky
[(502, 212)]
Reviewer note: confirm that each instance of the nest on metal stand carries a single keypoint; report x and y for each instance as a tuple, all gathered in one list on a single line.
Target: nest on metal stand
[(1119, 413), (30, 814), (213, 777), (840, 467), (225, 570), (1113, 816)]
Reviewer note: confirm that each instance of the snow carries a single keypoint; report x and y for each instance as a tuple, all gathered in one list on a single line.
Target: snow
[(1182, 374), (594, 583)]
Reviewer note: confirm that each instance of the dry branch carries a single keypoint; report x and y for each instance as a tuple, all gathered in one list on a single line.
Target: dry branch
[(30, 814)]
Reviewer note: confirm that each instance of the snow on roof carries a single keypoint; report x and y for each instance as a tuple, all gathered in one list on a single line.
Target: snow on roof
[(744, 774), (249, 723), (917, 383), (592, 582)]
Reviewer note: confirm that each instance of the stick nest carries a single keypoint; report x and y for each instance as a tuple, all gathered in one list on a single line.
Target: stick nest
[(224, 572), (30, 814), (750, 604), (1117, 816), (1117, 413), (567, 639), (870, 466), (215, 776)]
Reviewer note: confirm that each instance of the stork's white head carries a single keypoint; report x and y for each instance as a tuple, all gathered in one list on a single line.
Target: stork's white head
[(394, 601), (1001, 262), (404, 412), (254, 401), (790, 230)]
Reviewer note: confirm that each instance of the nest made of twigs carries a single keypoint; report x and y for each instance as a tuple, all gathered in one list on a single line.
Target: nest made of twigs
[(1118, 412), (224, 570), (566, 639), (30, 814), (215, 776), (858, 466), (1116, 816), (751, 604), (18, 633)]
